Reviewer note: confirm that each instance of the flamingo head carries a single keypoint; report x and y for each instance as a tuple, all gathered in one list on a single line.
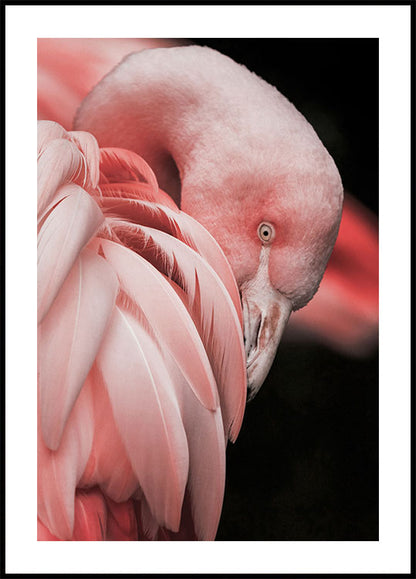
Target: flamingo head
[(275, 212)]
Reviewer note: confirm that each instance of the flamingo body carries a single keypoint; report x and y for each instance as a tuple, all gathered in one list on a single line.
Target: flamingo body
[(131, 423)]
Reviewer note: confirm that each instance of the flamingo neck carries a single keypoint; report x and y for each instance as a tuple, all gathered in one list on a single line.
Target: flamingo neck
[(172, 111)]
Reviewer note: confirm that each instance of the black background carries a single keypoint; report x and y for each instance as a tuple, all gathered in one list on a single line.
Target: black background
[(305, 465)]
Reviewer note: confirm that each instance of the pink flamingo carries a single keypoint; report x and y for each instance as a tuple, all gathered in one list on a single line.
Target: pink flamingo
[(142, 365), (344, 313)]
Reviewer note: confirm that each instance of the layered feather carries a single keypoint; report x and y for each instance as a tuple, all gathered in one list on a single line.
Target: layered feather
[(64, 157), (70, 337), (49, 131), (60, 471), (210, 306), (141, 363), (168, 317), (61, 162), (120, 165), (147, 414), (206, 481), (177, 224), (64, 234), (108, 465)]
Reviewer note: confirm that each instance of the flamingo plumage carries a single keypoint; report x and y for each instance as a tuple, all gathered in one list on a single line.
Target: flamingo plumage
[(134, 278), (142, 364)]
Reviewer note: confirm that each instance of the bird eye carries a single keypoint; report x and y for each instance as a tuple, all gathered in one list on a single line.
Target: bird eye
[(266, 232)]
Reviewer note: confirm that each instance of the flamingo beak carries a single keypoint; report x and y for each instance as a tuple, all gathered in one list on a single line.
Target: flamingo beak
[(265, 315)]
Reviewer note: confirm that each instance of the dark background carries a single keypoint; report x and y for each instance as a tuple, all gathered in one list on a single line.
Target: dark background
[(305, 465)]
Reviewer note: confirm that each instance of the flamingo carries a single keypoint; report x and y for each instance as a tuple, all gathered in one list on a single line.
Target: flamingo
[(191, 210), (343, 315)]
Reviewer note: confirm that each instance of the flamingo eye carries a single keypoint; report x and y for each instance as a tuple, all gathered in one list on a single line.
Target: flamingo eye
[(265, 232)]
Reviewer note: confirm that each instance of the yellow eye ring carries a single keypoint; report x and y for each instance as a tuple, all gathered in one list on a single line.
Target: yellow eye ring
[(266, 232)]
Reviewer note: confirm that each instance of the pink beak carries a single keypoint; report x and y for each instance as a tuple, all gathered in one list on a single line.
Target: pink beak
[(265, 315)]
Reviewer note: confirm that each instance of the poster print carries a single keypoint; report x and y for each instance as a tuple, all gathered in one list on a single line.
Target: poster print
[(125, 213), (307, 499)]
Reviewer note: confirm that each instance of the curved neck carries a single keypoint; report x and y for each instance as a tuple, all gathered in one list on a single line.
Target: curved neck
[(167, 107)]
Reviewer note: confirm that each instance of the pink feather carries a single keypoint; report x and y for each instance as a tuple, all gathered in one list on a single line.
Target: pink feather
[(120, 164), (60, 471), (49, 131), (210, 306), (170, 320), (61, 162), (177, 224), (147, 414), (121, 521), (136, 190), (66, 230), (108, 465), (90, 516), (69, 338), (88, 146), (206, 443)]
